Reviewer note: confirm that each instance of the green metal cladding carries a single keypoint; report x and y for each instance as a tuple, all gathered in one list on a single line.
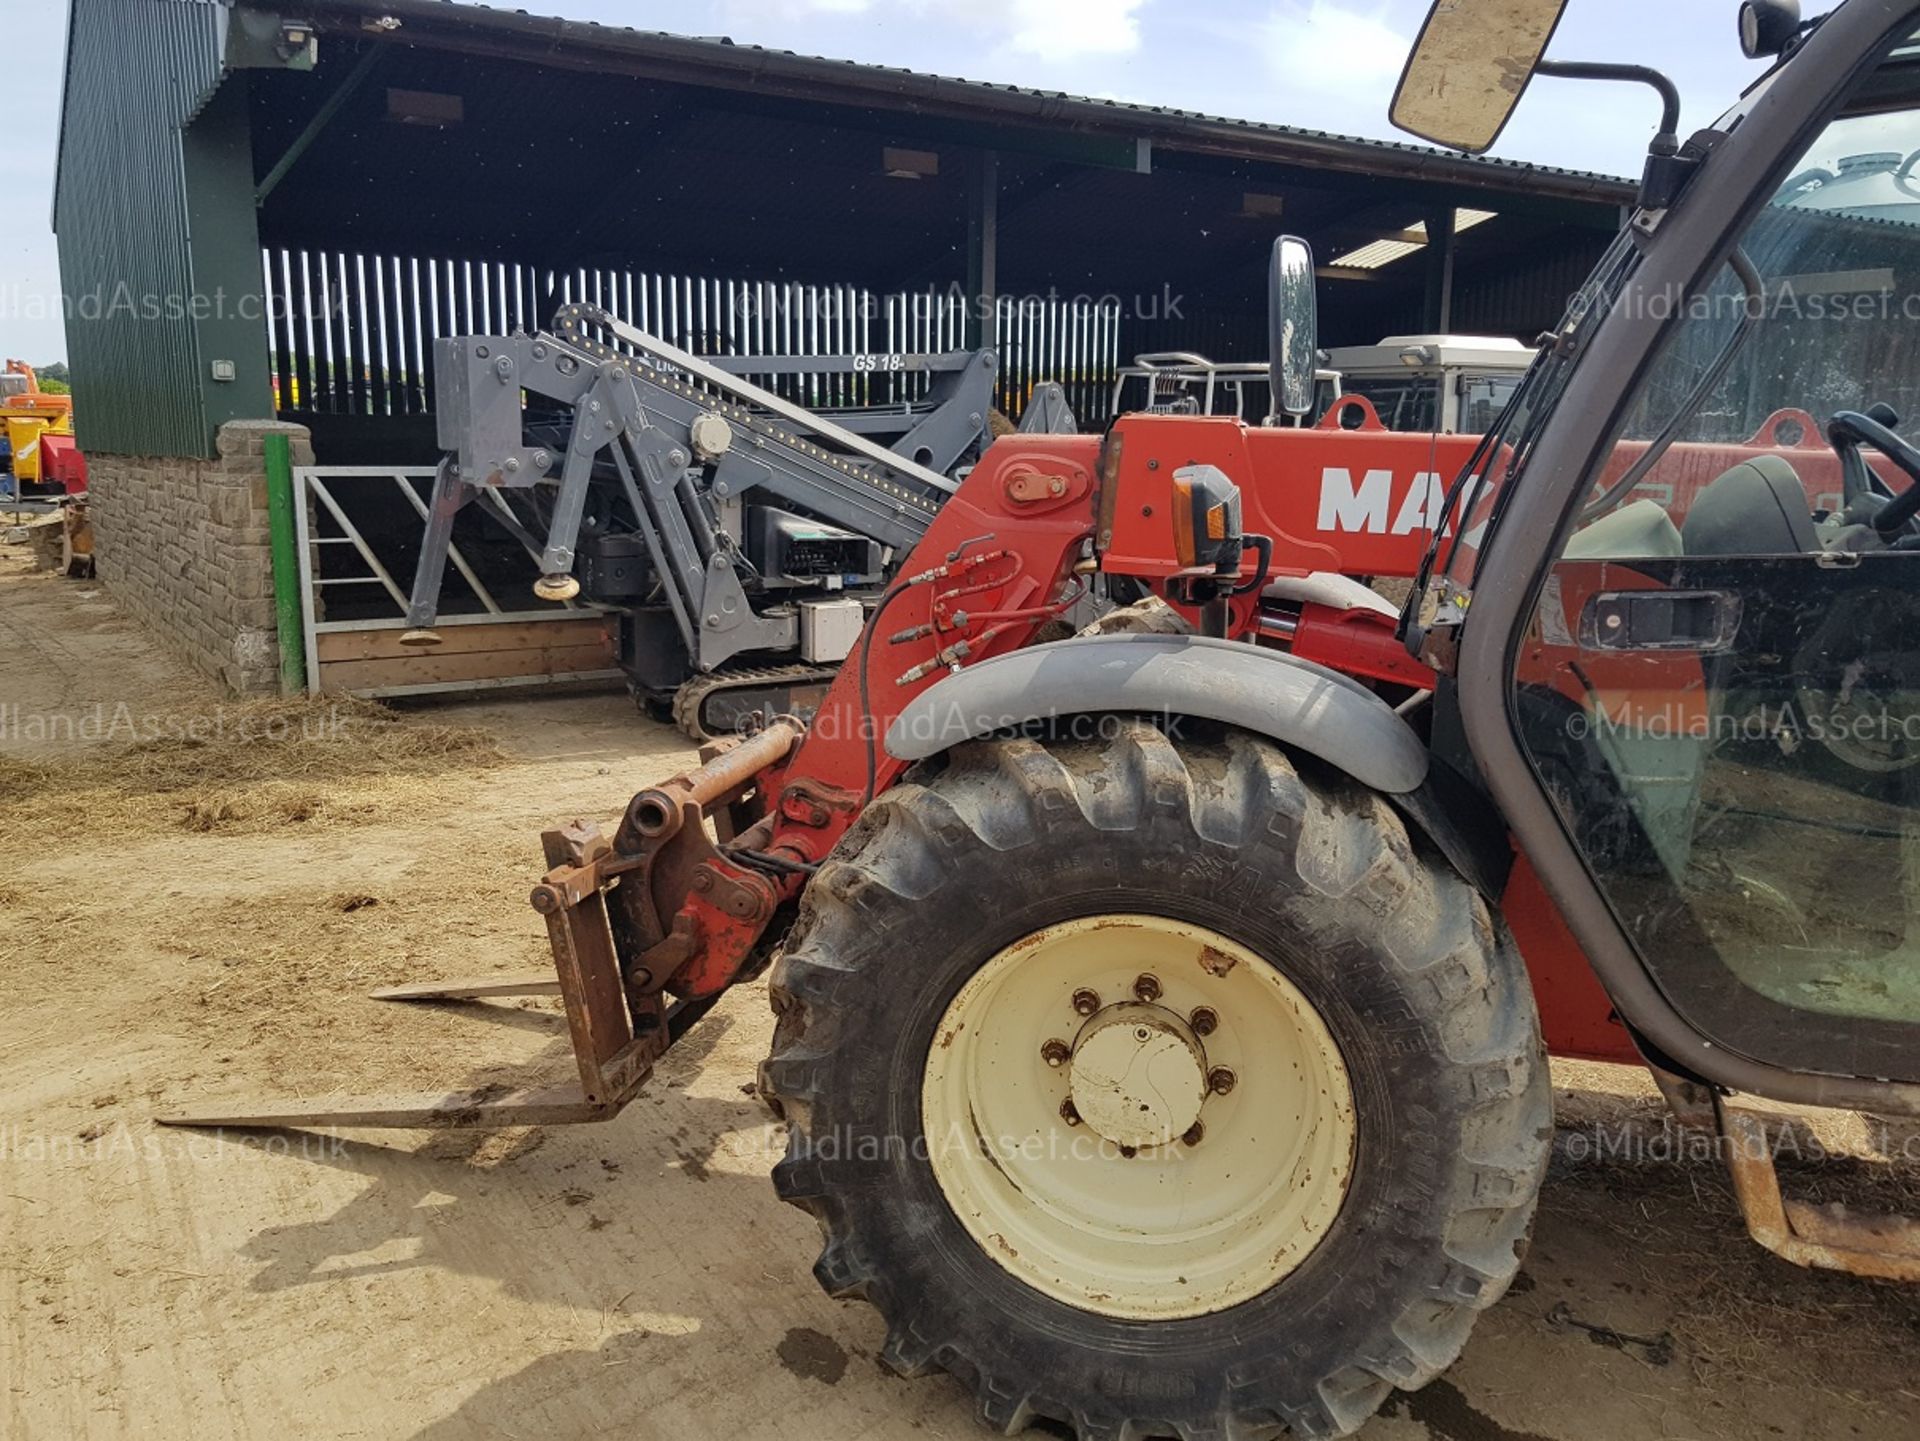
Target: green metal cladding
[(158, 243)]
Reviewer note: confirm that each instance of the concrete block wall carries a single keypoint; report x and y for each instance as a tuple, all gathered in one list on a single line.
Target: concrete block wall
[(182, 545)]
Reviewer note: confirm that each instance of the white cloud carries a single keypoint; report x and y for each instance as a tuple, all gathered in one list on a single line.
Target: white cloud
[(1068, 29), (1047, 29), (1330, 48), (787, 10)]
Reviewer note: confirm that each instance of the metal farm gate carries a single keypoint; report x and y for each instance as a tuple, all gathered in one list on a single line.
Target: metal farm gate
[(358, 532)]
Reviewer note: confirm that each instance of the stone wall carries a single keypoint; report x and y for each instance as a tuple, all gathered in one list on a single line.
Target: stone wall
[(182, 545)]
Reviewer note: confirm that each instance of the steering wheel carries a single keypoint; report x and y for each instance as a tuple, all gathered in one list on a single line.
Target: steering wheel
[(1868, 500)]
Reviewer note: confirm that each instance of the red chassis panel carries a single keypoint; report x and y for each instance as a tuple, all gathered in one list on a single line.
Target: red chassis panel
[(1364, 502), (1576, 1017)]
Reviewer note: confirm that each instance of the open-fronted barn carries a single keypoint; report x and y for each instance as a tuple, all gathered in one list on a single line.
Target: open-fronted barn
[(265, 219)]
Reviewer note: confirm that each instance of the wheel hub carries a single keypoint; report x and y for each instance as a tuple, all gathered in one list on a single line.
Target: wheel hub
[(1138, 1116), (1139, 1075)]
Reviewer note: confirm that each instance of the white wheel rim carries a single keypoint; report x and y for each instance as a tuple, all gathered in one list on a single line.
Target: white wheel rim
[(1129, 1213)]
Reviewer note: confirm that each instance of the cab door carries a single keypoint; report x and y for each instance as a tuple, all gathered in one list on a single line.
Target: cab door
[(1720, 685)]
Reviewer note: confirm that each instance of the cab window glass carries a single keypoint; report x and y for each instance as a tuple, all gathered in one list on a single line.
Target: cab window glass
[(1409, 403)]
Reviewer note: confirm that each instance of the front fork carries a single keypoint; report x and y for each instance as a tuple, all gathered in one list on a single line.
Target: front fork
[(647, 930)]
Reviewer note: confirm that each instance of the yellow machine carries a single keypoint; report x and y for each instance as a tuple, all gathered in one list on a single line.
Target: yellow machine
[(26, 413), (23, 434)]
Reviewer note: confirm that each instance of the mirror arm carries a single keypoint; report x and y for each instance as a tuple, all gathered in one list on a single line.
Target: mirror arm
[(1633, 74), (1669, 168)]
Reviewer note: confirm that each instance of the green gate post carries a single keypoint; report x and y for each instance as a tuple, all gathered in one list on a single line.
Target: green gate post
[(286, 566)]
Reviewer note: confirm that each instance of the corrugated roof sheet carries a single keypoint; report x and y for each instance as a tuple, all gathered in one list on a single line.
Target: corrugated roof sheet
[(724, 53)]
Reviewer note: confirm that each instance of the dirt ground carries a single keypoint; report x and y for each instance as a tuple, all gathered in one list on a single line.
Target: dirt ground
[(200, 918)]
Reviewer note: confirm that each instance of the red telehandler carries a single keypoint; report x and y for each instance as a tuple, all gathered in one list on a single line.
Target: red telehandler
[(1164, 1017)]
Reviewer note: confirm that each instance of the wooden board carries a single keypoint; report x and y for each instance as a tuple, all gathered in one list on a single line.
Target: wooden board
[(374, 660), (384, 644)]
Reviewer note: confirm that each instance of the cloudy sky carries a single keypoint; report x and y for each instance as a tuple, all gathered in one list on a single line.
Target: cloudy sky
[(1328, 64)]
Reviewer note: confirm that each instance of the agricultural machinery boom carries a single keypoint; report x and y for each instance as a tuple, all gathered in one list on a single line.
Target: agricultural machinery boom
[(737, 533)]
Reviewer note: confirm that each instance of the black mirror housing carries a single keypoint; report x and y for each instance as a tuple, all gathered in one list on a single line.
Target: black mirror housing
[(1767, 27)]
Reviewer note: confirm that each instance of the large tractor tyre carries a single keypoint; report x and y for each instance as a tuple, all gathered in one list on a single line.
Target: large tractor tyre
[(1157, 1088)]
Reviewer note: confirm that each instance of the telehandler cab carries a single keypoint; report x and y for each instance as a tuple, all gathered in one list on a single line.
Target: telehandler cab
[(1164, 1017)]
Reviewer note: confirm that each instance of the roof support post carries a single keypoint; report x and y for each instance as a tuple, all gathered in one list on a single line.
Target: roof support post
[(983, 250), (1440, 252), (227, 305)]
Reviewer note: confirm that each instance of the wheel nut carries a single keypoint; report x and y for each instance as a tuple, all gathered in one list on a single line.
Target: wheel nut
[(1086, 1002), (1220, 1080), (1194, 1133), (1203, 1021), (1147, 988), (1069, 1112), (1056, 1053)]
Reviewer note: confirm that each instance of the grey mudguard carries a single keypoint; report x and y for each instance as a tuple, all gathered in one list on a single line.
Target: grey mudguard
[(1295, 702)]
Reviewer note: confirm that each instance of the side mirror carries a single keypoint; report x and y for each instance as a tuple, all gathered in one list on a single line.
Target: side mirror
[(1293, 327), (1470, 67)]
